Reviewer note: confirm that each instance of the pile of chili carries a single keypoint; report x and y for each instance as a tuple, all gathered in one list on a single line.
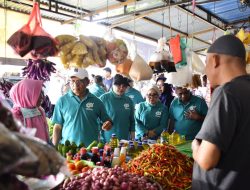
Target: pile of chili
[(164, 164)]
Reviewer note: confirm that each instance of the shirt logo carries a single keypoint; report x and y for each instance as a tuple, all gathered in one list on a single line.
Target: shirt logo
[(192, 108), (126, 106), (89, 106), (158, 114), (131, 96)]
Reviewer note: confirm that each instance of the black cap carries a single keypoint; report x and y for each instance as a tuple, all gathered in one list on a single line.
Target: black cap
[(119, 79), (107, 69), (228, 45)]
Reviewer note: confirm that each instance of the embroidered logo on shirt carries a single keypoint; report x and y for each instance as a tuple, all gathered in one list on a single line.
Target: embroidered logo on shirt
[(192, 108), (89, 106), (126, 106), (131, 96), (158, 114)]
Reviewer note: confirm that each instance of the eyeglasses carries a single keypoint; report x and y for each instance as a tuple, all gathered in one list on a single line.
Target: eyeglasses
[(76, 82), (152, 95)]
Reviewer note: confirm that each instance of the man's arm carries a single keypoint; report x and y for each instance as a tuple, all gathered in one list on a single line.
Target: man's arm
[(57, 131), (206, 154)]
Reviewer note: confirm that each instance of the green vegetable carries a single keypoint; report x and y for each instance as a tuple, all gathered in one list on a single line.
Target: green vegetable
[(94, 143)]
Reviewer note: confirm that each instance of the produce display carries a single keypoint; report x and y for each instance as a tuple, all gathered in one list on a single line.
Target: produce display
[(164, 164), (108, 178), (39, 69), (5, 87), (82, 52)]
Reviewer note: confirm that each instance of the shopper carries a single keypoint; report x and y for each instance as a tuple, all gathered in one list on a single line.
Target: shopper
[(27, 97), (187, 113), (97, 87), (134, 94), (108, 79), (78, 112), (221, 148), (120, 109), (151, 116)]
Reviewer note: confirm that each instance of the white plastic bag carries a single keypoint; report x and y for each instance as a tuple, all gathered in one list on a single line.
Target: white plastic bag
[(197, 64), (182, 77), (140, 70)]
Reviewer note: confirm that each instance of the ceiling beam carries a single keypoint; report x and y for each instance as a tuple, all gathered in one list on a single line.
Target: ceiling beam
[(198, 17), (203, 31), (136, 34), (175, 30), (110, 8)]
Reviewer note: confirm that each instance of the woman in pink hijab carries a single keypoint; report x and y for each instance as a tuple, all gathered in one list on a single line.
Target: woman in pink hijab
[(27, 98)]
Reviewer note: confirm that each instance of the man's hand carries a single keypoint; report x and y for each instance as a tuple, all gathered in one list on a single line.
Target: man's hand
[(107, 125), (194, 115)]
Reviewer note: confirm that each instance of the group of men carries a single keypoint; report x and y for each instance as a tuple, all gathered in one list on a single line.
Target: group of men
[(220, 147)]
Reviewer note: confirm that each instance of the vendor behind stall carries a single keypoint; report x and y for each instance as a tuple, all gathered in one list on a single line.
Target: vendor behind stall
[(151, 116), (77, 113)]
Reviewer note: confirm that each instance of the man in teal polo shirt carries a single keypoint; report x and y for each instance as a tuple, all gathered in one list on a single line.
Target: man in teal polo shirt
[(187, 113), (77, 113), (121, 110)]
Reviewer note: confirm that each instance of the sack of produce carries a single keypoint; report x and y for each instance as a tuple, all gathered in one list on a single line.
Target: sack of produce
[(117, 51), (42, 43), (140, 70), (20, 41)]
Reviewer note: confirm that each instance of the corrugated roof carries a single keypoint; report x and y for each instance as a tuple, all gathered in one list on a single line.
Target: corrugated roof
[(230, 11)]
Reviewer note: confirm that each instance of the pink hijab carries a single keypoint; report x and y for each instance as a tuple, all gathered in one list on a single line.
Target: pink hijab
[(25, 94)]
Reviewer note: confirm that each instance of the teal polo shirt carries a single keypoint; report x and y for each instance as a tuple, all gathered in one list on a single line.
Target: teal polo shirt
[(135, 95), (96, 89), (121, 111), (79, 118), (184, 126), (150, 117)]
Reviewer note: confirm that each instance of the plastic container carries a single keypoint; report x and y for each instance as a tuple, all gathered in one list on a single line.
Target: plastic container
[(165, 136)]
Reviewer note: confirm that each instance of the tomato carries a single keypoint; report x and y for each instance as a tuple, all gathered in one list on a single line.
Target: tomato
[(71, 166)]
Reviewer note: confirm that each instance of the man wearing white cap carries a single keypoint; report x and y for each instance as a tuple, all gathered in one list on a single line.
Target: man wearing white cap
[(77, 113)]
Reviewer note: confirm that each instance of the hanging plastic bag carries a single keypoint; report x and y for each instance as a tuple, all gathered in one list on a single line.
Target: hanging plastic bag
[(20, 41), (197, 64), (166, 63), (124, 67), (183, 62), (175, 48), (42, 43), (140, 70), (182, 77)]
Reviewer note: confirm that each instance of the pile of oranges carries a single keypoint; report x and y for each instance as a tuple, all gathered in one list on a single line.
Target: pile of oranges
[(77, 166)]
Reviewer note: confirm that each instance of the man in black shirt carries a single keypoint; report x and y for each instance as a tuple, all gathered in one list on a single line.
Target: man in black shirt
[(221, 149)]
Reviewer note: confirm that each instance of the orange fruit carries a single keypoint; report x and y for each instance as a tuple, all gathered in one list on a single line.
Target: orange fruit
[(79, 165)]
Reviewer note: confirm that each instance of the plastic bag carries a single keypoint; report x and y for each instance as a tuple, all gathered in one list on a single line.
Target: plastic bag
[(197, 65), (175, 48), (42, 43), (124, 67), (183, 62), (182, 77), (20, 41), (140, 70), (13, 152)]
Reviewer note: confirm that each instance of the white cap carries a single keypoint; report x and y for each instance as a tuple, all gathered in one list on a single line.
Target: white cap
[(78, 72)]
